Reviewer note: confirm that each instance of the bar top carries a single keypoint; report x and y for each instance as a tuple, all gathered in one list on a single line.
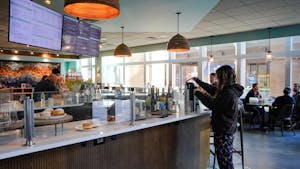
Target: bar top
[(11, 144)]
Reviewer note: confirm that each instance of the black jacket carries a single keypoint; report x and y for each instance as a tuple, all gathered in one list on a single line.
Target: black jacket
[(282, 100), (224, 106)]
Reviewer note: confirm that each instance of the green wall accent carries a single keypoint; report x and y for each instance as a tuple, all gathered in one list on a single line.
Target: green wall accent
[(70, 66), (277, 32)]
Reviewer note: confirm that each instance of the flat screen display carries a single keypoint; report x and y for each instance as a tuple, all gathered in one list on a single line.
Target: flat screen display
[(80, 37), (33, 24)]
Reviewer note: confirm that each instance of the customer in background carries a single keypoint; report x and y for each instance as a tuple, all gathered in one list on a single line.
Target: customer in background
[(212, 79), (44, 85), (278, 104), (54, 77), (223, 100), (258, 111), (296, 95)]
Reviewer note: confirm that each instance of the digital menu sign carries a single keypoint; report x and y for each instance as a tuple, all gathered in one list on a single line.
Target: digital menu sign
[(80, 37), (33, 24)]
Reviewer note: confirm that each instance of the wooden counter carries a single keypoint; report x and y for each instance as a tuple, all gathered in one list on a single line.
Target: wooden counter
[(175, 142)]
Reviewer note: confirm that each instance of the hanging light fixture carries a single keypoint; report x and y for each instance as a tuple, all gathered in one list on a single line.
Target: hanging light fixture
[(178, 43), (269, 52), (210, 56), (93, 9), (122, 50)]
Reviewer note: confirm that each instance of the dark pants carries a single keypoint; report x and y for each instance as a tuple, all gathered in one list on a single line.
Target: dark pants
[(223, 148), (258, 112)]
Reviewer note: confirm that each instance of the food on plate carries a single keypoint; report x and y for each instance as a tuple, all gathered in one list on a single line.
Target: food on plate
[(58, 112), (87, 125), (45, 114)]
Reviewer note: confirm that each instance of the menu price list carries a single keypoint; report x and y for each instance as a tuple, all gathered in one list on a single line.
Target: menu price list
[(80, 37)]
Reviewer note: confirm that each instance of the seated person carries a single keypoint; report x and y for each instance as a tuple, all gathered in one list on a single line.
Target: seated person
[(296, 96), (258, 111), (278, 104)]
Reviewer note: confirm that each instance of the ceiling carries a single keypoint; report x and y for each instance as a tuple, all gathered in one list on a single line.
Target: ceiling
[(154, 21)]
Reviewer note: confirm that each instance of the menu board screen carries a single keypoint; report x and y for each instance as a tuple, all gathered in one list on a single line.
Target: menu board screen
[(33, 24), (80, 37)]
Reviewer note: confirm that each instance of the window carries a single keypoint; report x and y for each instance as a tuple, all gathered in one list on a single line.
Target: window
[(157, 74), (88, 69), (136, 57), (296, 69), (112, 70), (157, 55), (134, 76)]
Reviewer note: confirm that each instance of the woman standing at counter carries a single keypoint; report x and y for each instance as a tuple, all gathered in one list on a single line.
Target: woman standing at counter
[(223, 100)]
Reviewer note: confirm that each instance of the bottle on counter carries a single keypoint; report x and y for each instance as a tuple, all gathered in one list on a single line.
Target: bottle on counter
[(153, 100), (163, 103), (170, 101)]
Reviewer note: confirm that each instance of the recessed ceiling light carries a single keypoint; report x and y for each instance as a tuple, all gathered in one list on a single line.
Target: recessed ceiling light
[(16, 52), (57, 54), (48, 2), (31, 52), (27, 46), (1, 50)]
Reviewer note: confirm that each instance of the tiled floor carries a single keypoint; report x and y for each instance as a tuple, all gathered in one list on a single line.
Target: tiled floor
[(268, 150)]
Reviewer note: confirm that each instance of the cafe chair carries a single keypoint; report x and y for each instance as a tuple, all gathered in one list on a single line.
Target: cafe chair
[(286, 114)]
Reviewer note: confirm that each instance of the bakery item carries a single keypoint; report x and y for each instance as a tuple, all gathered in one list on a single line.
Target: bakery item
[(45, 114), (87, 125), (58, 112)]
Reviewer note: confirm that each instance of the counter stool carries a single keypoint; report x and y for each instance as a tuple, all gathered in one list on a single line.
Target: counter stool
[(212, 147), (240, 128)]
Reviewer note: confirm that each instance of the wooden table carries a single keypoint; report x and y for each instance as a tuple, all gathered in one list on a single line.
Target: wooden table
[(57, 121)]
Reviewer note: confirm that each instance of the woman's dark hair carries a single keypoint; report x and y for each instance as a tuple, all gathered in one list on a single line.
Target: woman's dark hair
[(286, 90), (55, 71), (226, 76)]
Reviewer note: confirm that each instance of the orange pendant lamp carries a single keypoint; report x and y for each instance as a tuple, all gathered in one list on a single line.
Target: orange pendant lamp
[(122, 50), (93, 9), (178, 43)]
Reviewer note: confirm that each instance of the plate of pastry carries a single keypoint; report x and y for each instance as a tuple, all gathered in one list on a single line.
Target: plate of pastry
[(87, 125), (50, 114)]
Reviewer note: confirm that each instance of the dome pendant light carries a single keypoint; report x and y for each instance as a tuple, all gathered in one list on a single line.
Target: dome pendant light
[(178, 43), (122, 50), (269, 52), (93, 9)]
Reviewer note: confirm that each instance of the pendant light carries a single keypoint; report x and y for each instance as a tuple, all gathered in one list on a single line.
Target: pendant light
[(93, 9), (210, 56), (122, 50), (178, 43), (269, 52)]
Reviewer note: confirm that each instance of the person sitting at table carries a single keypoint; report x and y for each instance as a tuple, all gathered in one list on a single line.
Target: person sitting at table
[(296, 95), (278, 104), (258, 111)]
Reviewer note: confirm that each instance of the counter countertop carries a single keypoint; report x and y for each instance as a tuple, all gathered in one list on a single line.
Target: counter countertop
[(11, 142)]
